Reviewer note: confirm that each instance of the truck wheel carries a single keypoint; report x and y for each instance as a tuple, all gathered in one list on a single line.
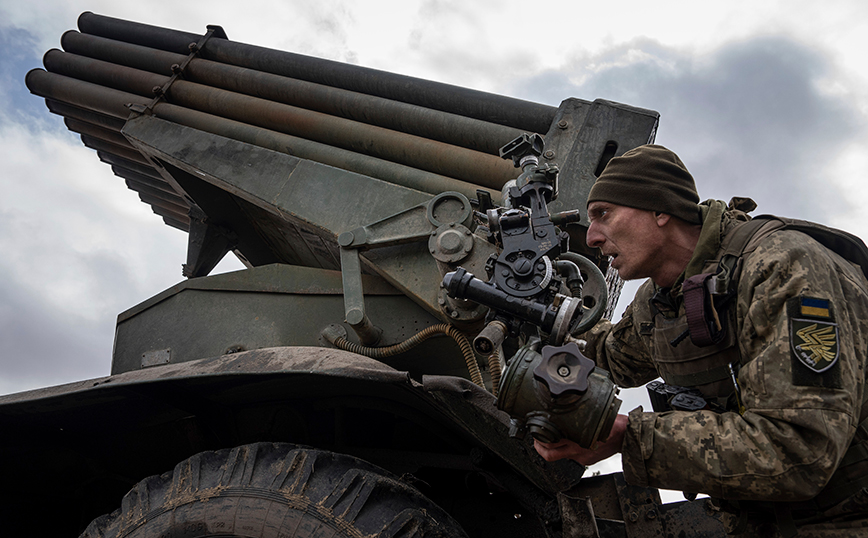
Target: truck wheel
[(274, 490)]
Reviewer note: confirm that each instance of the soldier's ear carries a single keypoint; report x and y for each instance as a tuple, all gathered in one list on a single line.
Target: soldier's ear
[(661, 218)]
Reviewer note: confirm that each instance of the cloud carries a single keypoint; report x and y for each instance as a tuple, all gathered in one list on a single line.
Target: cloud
[(748, 119), (43, 345), (18, 57), (76, 249)]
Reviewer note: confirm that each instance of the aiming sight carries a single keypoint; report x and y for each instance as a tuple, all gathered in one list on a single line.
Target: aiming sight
[(550, 389)]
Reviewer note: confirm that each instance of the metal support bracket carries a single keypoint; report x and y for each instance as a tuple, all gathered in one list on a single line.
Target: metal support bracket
[(178, 70), (645, 515), (444, 222), (577, 517), (354, 297), (207, 244)]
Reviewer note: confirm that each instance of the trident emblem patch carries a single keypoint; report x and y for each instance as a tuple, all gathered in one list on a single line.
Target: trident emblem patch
[(814, 334)]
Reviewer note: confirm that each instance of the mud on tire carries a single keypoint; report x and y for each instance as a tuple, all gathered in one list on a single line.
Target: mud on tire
[(273, 490)]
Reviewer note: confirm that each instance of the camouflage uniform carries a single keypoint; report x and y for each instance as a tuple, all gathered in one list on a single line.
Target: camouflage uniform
[(796, 424)]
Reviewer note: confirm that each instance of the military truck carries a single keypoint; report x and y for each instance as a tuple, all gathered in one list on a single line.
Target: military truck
[(415, 279)]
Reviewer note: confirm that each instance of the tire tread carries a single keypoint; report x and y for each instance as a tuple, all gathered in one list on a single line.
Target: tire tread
[(275, 490)]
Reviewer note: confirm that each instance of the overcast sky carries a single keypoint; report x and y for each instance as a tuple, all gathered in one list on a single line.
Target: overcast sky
[(769, 102)]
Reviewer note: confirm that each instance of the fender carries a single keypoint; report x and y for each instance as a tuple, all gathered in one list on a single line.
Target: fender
[(82, 445)]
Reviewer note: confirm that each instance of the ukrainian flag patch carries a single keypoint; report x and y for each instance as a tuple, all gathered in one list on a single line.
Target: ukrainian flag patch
[(815, 308)]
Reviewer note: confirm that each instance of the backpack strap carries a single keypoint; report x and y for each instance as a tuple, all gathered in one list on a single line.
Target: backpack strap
[(747, 236), (702, 319), (705, 324), (740, 241), (845, 244)]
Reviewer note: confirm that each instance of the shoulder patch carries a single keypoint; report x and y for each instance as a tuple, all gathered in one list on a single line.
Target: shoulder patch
[(813, 333), (815, 308), (814, 343)]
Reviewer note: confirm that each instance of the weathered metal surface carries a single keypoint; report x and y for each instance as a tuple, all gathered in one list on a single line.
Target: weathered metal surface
[(88, 116), (156, 357), (398, 174), (161, 415), (141, 179), (126, 152), (410, 150), (626, 511), (391, 114), (403, 148), (363, 120), (301, 194), (178, 209), (96, 131), (583, 136), (271, 306), (81, 94), (207, 244), (522, 115), (645, 516), (112, 103), (325, 362), (149, 186), (452, 394), (578, 517)]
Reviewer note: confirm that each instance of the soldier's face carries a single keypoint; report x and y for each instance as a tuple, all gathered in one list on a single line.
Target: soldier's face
[(630, 236)]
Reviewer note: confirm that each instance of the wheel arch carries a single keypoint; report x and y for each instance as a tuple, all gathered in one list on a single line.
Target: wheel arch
[(99, 437)]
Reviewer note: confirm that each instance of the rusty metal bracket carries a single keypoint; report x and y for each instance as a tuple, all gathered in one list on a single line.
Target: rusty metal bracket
[(620, 509), (577, 515), (646, 516), (640, 507)]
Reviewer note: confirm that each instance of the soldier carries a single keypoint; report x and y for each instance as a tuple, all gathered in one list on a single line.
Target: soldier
[(778, 351)]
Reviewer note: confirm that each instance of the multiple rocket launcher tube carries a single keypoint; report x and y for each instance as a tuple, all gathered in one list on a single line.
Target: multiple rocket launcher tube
[(425, 135)]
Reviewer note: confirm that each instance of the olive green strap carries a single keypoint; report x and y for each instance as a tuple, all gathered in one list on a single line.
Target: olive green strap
[(696, 379)]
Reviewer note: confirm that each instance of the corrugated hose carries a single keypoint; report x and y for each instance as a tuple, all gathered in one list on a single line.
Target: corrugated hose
[(415, 340), (494, 370)]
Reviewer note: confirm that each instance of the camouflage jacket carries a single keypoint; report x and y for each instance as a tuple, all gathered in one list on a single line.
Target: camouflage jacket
[(796, 423)]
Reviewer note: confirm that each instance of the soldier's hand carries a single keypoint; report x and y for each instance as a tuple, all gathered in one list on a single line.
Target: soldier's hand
[(586, 456)]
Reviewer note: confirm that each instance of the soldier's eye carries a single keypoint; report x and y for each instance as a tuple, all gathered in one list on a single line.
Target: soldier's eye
[(597, 213)]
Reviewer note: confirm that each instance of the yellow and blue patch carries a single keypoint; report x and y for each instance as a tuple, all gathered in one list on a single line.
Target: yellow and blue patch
[(815, 308)]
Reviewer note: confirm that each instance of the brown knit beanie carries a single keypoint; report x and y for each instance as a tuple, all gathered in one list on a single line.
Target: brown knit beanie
[(649, 177)]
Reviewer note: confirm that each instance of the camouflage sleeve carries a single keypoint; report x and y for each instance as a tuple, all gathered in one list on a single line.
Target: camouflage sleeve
[(619, 349), (798, 421)]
